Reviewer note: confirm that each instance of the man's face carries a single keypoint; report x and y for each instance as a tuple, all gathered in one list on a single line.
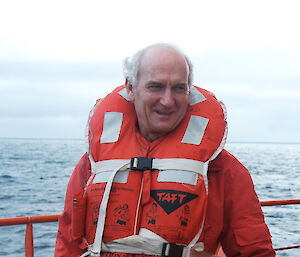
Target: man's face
[(161, 96)]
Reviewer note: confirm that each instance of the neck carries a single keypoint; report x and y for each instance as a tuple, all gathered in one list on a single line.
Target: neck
[(150, 137)]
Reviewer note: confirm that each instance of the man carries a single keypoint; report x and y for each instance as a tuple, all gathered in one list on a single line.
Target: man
[(173, 135)]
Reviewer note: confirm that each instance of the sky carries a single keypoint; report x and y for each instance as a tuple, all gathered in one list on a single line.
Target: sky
[(58, 57)]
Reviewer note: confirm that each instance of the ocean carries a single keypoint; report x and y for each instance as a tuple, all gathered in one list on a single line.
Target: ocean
[(34, 174)]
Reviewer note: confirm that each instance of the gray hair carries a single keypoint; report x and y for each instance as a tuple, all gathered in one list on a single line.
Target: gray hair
[(131, 64)]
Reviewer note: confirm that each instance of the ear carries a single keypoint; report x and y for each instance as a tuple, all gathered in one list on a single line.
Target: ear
[(189, 96), (130, 90)]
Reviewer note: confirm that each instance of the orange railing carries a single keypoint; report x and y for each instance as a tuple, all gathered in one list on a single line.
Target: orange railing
[(28, 233), (280, 202), (53, 218)]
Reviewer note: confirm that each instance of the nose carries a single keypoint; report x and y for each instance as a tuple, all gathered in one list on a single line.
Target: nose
[(167, 98)]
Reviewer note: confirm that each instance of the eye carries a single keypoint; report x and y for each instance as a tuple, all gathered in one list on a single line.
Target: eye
[(155, 86), (181, 88)]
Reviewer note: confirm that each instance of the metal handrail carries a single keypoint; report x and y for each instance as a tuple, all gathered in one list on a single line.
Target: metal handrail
[(29, 220)]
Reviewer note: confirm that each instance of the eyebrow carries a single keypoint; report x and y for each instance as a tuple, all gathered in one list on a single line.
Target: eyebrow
[(154, 82), (181, 84), (160, 83)]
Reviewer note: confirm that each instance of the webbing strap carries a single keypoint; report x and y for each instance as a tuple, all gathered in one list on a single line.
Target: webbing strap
[(135, 244), (159, 164), (147, 243), (138, 244), (181, 164), (106, 165), (96, 246)]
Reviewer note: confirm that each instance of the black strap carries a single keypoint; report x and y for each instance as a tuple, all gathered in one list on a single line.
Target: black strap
[(175, 250)]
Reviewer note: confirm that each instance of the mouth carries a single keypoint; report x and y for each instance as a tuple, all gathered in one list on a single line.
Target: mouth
[(164, 113)]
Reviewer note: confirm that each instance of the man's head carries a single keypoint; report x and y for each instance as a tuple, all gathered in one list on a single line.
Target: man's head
[(131, 64), (158, 87)]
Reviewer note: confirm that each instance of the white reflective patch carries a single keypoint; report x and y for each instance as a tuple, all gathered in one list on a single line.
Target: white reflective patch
[(120, 177), (196, 96), (195, 130), (111, 127), (180, 164), (178, 176), (123, 93)]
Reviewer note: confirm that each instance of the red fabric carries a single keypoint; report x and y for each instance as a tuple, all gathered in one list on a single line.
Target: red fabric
[(65, 245), (234, 217)]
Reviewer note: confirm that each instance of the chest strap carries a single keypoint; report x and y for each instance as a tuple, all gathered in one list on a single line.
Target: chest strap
[(146, 242), (142, 163)]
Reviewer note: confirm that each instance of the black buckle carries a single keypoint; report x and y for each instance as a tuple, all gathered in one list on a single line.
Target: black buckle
[(141, 163), (172, 250)]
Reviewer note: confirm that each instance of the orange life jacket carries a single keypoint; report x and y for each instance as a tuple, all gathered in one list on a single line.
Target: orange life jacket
[(156, 192)]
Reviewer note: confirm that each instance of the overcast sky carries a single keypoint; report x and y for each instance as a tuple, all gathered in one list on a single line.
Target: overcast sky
[(58, 57)]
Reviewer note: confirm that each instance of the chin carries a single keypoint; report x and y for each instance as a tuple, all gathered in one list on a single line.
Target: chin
[(164, 129)]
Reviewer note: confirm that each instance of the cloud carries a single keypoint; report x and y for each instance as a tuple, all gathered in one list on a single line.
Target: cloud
[(54, 89), (56, 126), (272, 65), (35, 70), (58, 57), (261, 94)]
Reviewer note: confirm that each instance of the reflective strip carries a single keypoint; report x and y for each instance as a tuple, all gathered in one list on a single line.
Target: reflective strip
[(123, 93), (195, 130), (178, 176), (102, 177), (196, 96), (111, 127)]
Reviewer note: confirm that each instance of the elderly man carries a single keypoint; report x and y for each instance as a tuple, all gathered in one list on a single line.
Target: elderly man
[(156, 179)]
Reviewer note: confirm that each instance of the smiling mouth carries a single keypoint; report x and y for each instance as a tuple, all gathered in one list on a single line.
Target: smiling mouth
[(164, 114)]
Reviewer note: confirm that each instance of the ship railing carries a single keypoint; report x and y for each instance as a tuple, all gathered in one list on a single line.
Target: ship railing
[(29, 220)]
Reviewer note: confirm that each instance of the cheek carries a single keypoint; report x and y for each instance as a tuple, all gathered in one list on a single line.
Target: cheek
[(184, 103), (147, 102), (145, 105)]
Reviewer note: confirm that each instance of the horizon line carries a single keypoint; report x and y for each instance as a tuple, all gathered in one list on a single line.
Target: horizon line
[(230, 142)]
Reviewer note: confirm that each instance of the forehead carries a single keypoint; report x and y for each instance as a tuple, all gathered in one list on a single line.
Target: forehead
[(163, 63)]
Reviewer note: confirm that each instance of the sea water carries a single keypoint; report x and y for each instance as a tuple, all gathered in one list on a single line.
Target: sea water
[(34, 174)]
